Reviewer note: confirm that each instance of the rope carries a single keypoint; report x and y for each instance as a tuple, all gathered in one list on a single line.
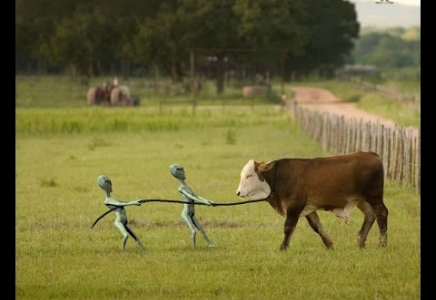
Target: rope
[(178, 201), (104, 214), (238, 203), (198, 203)]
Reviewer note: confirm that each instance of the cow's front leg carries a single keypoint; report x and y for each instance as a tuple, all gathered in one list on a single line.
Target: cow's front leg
[(290, 223), (315, 223)]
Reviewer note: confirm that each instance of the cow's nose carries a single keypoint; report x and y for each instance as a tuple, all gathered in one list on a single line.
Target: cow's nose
[(237, 193)]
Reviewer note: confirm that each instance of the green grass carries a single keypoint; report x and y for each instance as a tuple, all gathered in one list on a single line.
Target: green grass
[(401, 114), (405, 80), (70, 93), (60, 154), (101, 119), (50, 91), (402, 86)]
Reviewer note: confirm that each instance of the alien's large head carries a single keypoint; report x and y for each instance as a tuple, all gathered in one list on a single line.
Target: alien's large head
[(177, 171), (105, 183)]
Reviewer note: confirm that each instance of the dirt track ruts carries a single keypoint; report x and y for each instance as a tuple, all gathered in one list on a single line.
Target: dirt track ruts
[(323, 100)]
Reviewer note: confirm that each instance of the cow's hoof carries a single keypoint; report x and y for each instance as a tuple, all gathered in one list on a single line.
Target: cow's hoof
[(383, 242), (283, 248)]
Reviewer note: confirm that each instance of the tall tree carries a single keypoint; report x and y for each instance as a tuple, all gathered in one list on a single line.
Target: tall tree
[(228, 24), (124, 18), (160, 39), (332, 29), (212, 24), (387, 50), (35, 24), (316, 33), (82, 39)]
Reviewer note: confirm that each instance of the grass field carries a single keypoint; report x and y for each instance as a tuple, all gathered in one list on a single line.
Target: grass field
[(70, 92), (61, 152)]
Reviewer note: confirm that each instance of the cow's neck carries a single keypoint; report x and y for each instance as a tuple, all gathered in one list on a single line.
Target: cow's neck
[(271, 177), (273, 198)]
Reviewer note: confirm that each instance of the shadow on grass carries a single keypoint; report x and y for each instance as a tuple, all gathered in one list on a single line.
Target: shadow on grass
[(354, 99)]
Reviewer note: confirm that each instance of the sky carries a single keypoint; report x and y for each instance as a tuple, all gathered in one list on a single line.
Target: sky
[(410, 2), (404, 2), (404, 13)]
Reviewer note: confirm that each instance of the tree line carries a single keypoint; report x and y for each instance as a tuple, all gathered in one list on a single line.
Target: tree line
[(388, 48), (93, 37)]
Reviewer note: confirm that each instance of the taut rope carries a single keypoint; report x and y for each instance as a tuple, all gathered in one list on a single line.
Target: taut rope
[(181, 202), (197, 203)]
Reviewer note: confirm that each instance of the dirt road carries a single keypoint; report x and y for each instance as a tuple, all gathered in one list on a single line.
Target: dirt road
[(324, 101)]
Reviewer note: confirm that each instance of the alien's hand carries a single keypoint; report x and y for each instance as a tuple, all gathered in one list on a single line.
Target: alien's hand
[(210, 202), (138, 203)]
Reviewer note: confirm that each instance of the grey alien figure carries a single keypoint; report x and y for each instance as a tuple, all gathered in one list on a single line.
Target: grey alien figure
[(188, 213), (121, 221)]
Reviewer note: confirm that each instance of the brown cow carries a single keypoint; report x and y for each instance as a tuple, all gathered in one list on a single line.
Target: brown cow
[(299, 187)]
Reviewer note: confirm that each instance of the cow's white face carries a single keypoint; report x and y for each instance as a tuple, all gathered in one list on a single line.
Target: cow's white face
[(252, 184)]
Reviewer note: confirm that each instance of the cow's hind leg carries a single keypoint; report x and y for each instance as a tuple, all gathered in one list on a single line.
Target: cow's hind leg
[(381, 213), (368, 221), (315, 223), (374, 197)]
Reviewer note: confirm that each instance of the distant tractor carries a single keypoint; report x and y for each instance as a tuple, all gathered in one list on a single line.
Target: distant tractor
[(113, 95)]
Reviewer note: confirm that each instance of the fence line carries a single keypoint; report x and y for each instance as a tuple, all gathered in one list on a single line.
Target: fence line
[(399, 147)]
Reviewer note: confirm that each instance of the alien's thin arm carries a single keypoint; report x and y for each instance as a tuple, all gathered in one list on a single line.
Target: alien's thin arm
[(198, 199), (204, 199), (115, 202)]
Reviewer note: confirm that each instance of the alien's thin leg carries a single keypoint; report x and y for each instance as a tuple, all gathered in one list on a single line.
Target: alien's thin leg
[(123, 230), (191, 226), (130, 231), (197, 224)]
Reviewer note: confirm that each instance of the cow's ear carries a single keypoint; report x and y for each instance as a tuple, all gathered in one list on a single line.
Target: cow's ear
[(257, 166), (266, 166)]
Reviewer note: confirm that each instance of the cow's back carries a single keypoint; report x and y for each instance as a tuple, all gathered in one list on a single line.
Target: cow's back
[(332, 182)]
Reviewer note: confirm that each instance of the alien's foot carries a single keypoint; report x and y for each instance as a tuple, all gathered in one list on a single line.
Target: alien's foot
[(141, 245)]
